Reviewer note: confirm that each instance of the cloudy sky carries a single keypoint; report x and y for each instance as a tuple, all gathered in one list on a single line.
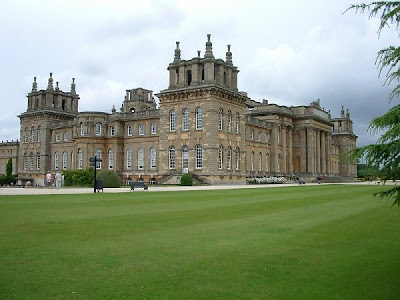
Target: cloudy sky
[(289, 52)]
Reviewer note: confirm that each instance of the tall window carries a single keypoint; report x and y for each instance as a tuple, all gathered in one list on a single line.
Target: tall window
[(112, 130), (39, 133), (252, 161), (153, 158), (199, 157), (129, 158), (140, 159), (141, 129), (259, 136), (25, 162), (220, 151), (171, 159), (33, 134), (237, 158), (98, 155), (130, 130), (185, 157), (153, 128), (57, 136), (64, 161), (38, 161), (199, 118), (229, 158), (252, 134), (278, 165), (172, 120), (185, 119), (31, 161), (220, 119), (267, 162), (26, 135), (110, 159), (56, 160), (98, 128), (237, 123), (66, 136), (80, 159), (82, 129), (259, 162), (229, 122)]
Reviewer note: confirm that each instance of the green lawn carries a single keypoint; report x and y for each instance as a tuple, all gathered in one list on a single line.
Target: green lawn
[(308, 242)]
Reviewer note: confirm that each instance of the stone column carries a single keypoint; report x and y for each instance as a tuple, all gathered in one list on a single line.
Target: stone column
[(310, 150), (274, 148), (323, 152), (329, 153), (290, 150), (284, 150), (303, 150), (318, 152)]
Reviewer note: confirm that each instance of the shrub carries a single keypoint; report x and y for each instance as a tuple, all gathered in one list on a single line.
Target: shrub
[(187, 179), (83, 177), (5, 180), (110, 178)]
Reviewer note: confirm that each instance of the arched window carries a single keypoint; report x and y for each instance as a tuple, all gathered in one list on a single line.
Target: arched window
[(25, 161), (185, 157), (56, 161), (99, 156), (110, 159), (237, 158), (140, 159), (278, 165), (26, 135), (63, 104), (267, 162), (199, 118), (229, 158), (38, 161), (220, 119), (129, 158), (225, 78), (33, 134), (98, 128), (220, 156), (185, 119), (199, 157), (237, 123), (64, 160), (172, 120), (171, 160), (188, 77), (39, 133), (82, 129), (153, 158), (252, 161), (31, 161), (229, 122), (260, 162), (80, 159)]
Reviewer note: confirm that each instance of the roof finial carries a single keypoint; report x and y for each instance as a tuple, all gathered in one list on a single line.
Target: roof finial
[(57, 88), (34, 85), (177, 57), (50, 83), (229, 55), (342, 112), (347, 114), (208, 53), (198, 53), (73, 86), (113, 110)]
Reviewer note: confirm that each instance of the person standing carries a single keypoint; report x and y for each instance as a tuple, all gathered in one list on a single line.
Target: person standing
[(48, 179), (58, 180)]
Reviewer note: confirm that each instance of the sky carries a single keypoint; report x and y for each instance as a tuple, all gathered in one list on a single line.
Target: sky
[(289, 52)]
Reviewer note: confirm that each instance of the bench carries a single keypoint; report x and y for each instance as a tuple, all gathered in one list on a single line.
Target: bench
[(139, 185), (99, 185)]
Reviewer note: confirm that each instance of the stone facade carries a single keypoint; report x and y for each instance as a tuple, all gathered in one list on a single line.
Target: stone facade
[(204, 126)]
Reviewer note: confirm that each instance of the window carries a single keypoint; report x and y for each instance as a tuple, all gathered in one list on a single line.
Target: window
[(153, 128), (229, 158), (237, 123), (252, 134), (25, 162), (278, 165), (259, 136), (110, 159), (31, 161), (199, 118), (66, 136), (199, 157), (57, 136), (82, 129), (172, 120), (252, 161), (171, 163), (141, 129), (220, 119), (129, 158), (39, 133), (220, 151), (33, 134), (26, 135), (98, 155), (38, 161), (98, 129), (56, 160), (259, 162), (237, 158), (140, 159), (185, 157), (279, 135), (267, 137), (267, 162), (130, 130), (229, 122), (112, 130), (185, 119), (80, 159), (64, 161), (153, 159)]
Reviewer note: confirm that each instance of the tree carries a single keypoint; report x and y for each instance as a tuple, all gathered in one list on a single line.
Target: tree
[(9, 167), (385, 154)]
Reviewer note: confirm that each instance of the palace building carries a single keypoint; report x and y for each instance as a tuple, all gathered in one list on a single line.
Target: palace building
[(204, 126)]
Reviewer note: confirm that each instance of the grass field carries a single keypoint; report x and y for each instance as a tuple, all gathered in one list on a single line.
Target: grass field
[(309, 242)]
